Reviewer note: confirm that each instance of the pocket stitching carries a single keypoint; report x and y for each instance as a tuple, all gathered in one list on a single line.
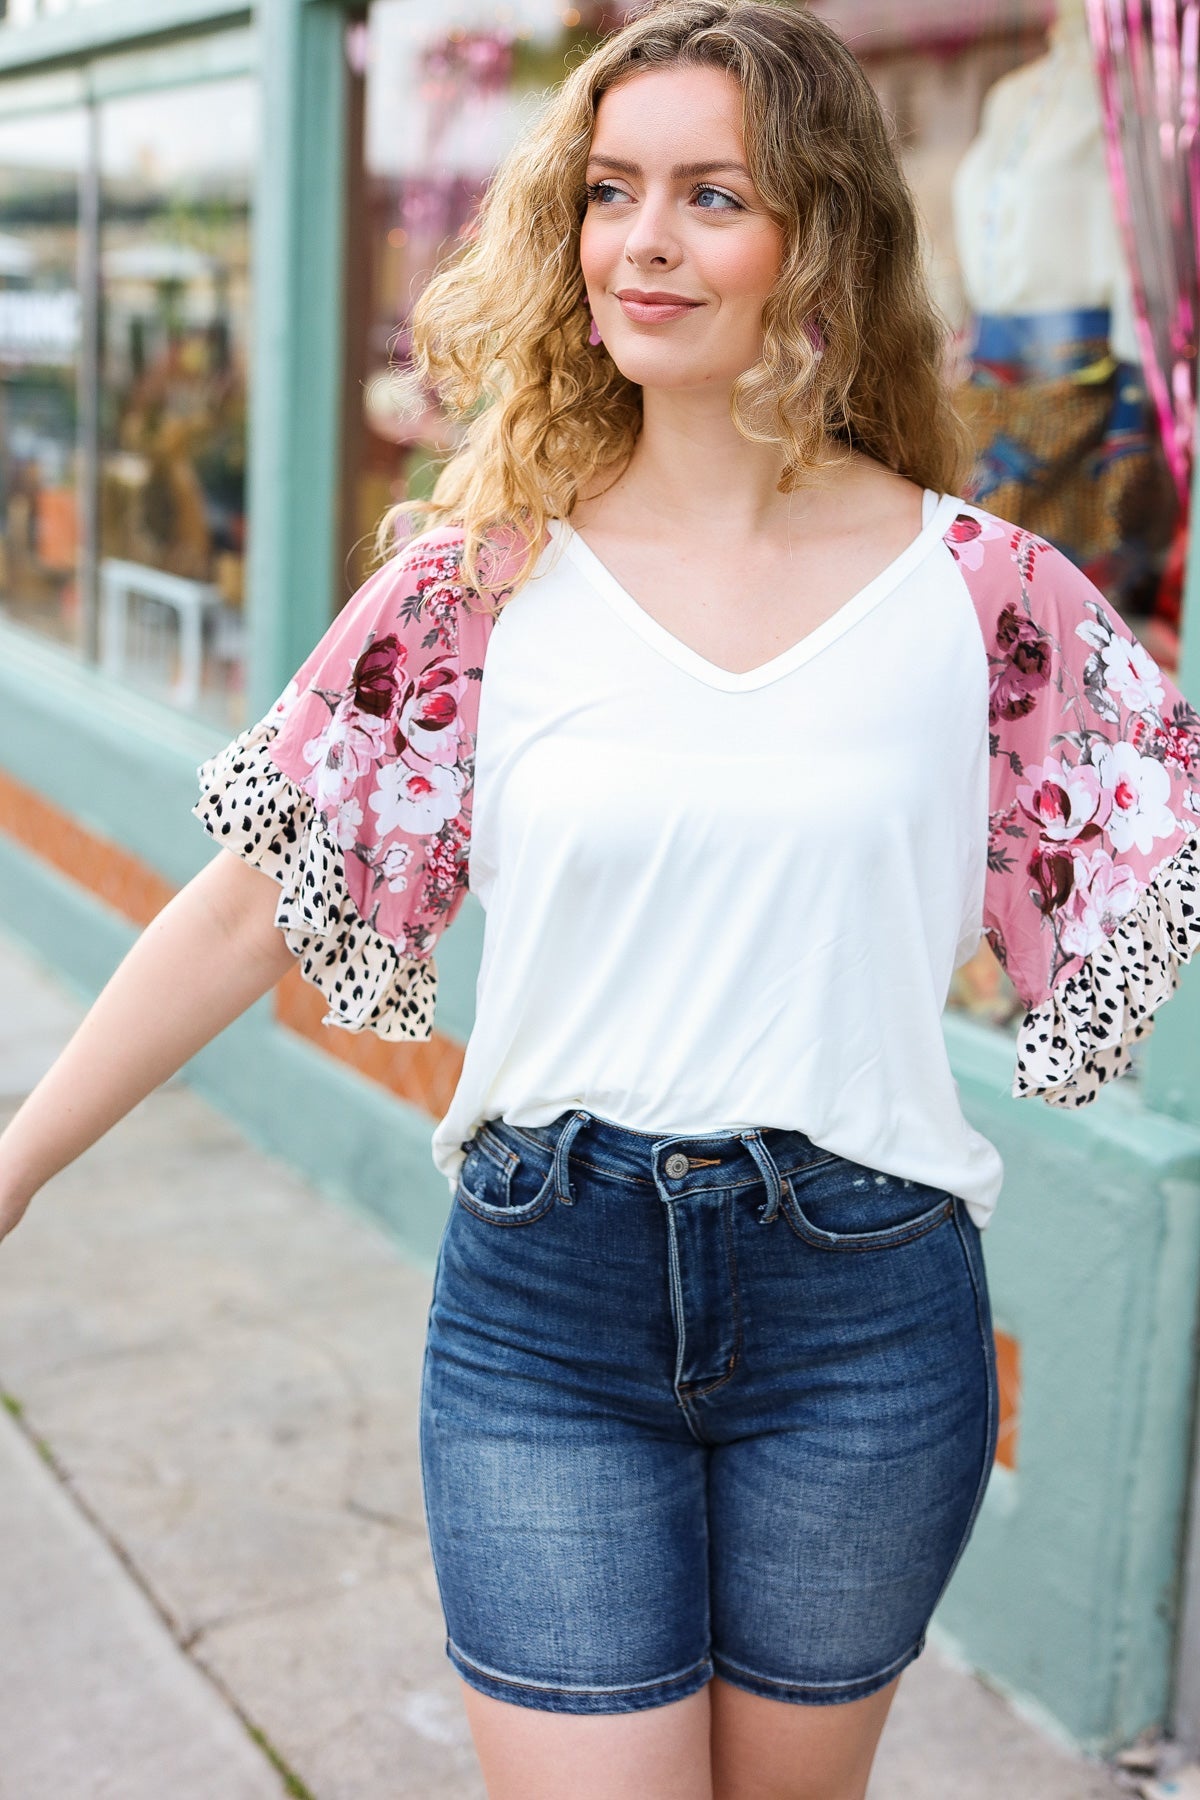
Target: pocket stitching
[(818, 1162), (532, 1210), (888, 1238), (492, 1146)]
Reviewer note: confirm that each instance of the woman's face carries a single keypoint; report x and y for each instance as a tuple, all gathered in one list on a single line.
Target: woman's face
[(672, 211)]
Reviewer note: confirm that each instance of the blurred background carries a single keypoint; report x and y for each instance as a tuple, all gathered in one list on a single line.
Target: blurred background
[(214, 222)]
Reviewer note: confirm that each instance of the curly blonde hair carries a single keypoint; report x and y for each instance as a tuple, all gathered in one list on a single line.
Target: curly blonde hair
[(500, 331)]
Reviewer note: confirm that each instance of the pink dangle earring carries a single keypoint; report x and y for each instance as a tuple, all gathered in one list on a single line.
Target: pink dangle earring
[(593, 334)]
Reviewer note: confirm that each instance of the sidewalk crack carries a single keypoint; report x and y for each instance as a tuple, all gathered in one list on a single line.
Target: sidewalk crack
[(293, 1786)]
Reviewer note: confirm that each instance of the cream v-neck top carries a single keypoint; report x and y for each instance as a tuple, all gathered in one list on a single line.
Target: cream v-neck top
[(718, 900)]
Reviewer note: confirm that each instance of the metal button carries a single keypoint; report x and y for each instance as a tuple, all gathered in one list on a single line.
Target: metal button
[(676, 1164)]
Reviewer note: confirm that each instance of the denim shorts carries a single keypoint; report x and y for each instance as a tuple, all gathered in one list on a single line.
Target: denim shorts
[(696, 1405)]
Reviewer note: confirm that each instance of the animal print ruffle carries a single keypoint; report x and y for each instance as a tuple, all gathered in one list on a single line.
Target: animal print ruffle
[(250, 807), (1079, 1037)]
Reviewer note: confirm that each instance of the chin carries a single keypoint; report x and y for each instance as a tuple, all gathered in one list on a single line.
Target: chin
[(665, 368)]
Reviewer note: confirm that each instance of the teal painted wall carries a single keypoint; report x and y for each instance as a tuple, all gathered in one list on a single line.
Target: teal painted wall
[(299, 259), (1067, 1593), (1173, 1050)]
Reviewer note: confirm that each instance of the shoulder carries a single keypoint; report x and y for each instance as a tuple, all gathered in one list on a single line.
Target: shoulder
[(415, 605), (428, 561), (1023, 587), (400, 662), (433, 564), (1054, 642), (984, 546)]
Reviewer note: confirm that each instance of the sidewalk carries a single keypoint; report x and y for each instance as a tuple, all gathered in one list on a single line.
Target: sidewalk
[(214, 1573)]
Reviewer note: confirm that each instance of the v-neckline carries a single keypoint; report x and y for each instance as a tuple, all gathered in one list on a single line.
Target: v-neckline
[(601, 578)]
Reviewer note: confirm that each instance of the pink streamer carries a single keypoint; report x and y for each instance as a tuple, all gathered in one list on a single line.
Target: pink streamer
[(1146, 55)]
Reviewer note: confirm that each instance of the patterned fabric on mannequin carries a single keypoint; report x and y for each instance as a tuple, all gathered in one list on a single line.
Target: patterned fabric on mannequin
[(1066, 446)]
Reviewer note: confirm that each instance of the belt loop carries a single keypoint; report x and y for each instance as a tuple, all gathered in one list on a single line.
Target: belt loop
[(770, 1174), (562, 1150)]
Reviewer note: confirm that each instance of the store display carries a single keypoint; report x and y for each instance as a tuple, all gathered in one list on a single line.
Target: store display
[(1066, 435)]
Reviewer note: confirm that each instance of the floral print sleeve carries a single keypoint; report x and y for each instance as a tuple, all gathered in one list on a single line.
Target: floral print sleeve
[(1093, 885), (354, 791)]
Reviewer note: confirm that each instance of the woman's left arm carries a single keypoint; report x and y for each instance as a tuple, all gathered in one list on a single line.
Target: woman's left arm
[(1093, 886)]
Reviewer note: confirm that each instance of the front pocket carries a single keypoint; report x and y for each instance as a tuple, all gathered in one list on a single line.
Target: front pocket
[(845, 1205), (504, 1186)]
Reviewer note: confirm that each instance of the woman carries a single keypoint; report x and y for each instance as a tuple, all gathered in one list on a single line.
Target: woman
[(744, 727)]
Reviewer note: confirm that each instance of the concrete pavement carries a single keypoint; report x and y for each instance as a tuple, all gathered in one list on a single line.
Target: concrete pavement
[(214, 1572)]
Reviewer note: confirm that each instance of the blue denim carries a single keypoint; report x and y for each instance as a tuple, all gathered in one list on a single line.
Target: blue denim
[(697, 1404)]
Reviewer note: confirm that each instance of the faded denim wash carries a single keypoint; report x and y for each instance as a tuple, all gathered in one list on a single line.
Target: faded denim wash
[(697, 1404)]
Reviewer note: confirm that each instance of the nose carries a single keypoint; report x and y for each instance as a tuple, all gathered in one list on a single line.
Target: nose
[(650, 240)]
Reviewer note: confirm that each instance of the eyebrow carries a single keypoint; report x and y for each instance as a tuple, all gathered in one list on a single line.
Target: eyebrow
[(679, 172)]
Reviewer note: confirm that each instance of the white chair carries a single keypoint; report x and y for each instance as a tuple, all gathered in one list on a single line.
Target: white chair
[(191, 602)]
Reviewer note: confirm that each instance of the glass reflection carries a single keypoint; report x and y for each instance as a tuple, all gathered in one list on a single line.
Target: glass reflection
[(41, 170), (175, 301)]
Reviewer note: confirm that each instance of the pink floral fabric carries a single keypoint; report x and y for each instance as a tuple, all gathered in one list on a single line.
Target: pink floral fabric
[(378, 727), (353, 792), (1093, 854)]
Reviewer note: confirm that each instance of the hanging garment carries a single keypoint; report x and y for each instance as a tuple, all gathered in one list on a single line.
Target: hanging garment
[(1066, 445)]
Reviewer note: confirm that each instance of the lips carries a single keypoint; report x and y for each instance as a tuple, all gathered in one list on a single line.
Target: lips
[(657, 297), (653, 308)]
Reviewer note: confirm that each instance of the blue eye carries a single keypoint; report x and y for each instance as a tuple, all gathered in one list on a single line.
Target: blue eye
[(734, 203), (594, 189)]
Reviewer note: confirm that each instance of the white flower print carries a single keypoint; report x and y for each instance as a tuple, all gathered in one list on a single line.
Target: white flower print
[(1062, 799), (1140, 788), (395, 862), (967, 536), (1094, 633), (1103, 892), (341, 754), (416, 800), (346, 818), (1133, 675)]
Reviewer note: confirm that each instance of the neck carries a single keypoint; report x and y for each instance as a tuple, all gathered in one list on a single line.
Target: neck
[(691, 466)]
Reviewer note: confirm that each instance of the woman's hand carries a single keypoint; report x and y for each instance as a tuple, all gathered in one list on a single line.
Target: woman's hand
[(209, 954)]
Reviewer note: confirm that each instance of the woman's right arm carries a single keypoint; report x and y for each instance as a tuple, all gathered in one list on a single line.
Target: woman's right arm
[(330, 838), (209, 954)]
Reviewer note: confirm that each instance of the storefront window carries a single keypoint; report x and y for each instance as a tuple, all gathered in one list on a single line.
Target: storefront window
[(41, 170), (124, 336), (175, 294)]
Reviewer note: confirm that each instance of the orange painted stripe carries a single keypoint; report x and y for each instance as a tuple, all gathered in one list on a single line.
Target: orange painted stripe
[(130, 886), (1008, 1369), (423, 1074)]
